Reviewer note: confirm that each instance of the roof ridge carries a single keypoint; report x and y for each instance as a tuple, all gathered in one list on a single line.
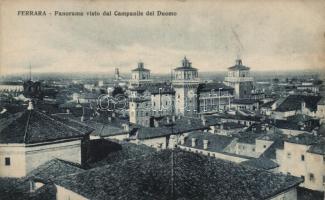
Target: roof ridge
[(60, 122), (27, 125)]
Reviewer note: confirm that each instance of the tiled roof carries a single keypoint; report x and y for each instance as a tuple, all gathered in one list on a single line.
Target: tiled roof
[(33, 126), (216, 143), (304, 138), (238, 117), (54, 168), (293, 102), (208, 87), (195, 177), (318, 148), (261, 163), (292, 125), (244, 101), (181, 125)]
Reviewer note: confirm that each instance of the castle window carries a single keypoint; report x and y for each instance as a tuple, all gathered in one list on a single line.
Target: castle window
[(302, 157), (7, 161), (311, 177)]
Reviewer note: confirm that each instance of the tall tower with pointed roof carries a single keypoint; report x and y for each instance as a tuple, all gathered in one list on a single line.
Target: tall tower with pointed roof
[(185, 83), (239, 78)]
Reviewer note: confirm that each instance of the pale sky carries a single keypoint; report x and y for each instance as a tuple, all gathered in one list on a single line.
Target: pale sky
[(272, 35)]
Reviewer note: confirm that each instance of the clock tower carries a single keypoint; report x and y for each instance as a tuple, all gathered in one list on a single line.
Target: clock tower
[(185, 83)]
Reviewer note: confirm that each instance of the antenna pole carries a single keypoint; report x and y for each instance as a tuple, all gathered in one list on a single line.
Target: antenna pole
[(30, 72)]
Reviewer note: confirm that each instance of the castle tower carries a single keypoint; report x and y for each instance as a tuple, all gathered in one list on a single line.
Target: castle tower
[(185, 83), (140, 76), (239, 79), (117, 74)]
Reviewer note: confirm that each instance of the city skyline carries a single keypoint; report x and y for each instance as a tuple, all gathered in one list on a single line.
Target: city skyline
[(249, 30)]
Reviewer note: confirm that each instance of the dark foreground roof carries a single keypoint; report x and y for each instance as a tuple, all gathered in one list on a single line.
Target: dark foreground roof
[(33, 126), (195, 177), (54, 168)]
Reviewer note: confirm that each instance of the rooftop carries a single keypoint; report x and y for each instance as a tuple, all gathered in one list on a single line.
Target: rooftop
[(261, 163), (33, 126), (214, 86), (195, 177), (54, 168), (239, 66), (293, 102), (216, 143), (140, 68), (186, 66)]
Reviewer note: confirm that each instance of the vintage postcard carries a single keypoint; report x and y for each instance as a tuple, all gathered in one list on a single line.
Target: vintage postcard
[(169, 99)]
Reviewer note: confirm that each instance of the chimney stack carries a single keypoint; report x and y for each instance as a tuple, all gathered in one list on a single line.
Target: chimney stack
[(182, 140), (173, 118), (203, 120), (126, 127), (205, 144), (30, 105), (156, 124), (193, 142)]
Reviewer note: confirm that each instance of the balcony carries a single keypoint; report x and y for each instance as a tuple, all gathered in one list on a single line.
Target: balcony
[(239, 79)]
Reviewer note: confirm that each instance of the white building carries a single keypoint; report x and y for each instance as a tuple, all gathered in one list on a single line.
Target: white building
[(304, 156)]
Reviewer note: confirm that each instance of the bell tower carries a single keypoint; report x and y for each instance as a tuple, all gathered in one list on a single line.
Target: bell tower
[(185, 82)]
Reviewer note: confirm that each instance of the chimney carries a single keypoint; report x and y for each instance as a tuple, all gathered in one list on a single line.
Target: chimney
[(221, 126), (193, 142), (182, 140), (203, 120), (30, 105), (156, 124), (126, 127), (205, 144), (173, 118)]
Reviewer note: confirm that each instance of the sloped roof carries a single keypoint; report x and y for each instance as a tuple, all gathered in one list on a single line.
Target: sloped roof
[(208, 87), (33, 126), (54, 168), (261, 163), (238, 66), (182, 125), (216, 143), (318, 148), (195, 177), (293, 102)]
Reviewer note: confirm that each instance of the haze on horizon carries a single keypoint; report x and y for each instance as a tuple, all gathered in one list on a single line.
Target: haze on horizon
[(268, 35)]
